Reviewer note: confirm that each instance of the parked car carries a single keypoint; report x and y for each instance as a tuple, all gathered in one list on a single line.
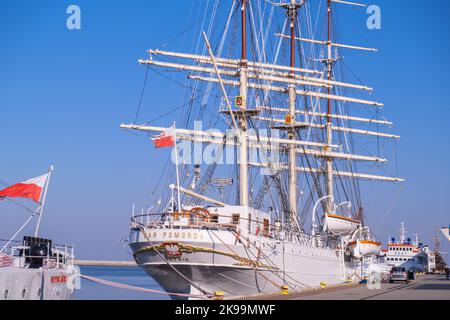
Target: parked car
[(399, 274)]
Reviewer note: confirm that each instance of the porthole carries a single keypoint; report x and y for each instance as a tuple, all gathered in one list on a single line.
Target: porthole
[(24, 292), (6, 294)]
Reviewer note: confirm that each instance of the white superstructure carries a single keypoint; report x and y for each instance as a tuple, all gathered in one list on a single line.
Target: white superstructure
[(408, 253), (37, 270)]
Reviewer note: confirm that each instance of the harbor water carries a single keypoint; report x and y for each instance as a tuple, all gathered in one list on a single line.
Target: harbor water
[(132, 276)]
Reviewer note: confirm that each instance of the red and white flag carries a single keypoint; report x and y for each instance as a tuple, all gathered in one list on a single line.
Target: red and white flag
[(30, 189), (165, 139)]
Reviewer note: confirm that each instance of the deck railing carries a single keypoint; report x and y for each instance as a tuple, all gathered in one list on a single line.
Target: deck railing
[(58, 256), (189, 220)]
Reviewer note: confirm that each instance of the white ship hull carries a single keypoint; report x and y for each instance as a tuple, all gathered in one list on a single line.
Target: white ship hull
[(215, 265), (34, 284)]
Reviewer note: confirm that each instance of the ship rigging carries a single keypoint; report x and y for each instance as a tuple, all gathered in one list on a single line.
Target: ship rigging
[(312, 120)]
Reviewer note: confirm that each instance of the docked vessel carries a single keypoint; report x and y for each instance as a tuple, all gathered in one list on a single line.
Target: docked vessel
[(408, 254), (35, 268), (289, 213)]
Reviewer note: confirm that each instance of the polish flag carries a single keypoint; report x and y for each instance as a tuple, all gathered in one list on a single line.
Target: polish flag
[(165, 139), (30, 189)]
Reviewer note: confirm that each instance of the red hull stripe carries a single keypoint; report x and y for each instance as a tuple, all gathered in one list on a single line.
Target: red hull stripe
[(22, 190)]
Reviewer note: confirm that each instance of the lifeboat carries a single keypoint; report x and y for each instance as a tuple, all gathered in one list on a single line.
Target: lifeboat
[(340, 225), (365, 248)]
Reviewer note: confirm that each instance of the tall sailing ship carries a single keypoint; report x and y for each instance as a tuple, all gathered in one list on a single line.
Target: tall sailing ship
[(289, 214)]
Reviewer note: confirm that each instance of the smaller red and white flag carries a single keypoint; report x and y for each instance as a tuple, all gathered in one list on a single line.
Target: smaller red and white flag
[(30, 189), (165, 139)]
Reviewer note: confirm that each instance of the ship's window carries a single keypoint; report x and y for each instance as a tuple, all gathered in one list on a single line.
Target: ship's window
[(6, 294), (236, 218), (214, 218), (24, 292)]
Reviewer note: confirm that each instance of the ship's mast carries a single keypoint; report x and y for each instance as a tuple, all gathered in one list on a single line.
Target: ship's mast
[(402, 233), (292, 163), (416, 240), (329, 161), (246, 74), (243, 149)]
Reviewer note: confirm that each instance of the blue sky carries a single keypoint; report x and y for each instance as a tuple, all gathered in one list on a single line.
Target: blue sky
[(63, 95)]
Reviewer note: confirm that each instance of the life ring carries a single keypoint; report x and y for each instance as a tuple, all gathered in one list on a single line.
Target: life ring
[(202, 212)]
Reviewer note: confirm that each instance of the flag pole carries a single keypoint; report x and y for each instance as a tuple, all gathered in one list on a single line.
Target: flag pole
[(44, 197), (176, 166)]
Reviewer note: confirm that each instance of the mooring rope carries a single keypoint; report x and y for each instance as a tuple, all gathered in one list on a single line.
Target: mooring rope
[(254, 264), (138, 289)]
